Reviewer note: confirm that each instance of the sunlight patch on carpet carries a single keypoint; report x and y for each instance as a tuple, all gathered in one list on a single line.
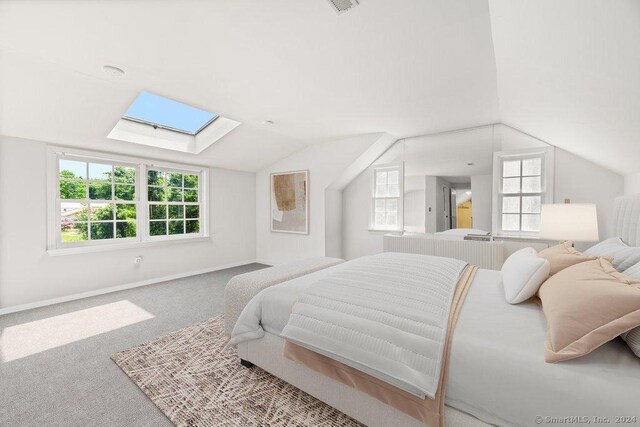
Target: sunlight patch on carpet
[(31, 338)]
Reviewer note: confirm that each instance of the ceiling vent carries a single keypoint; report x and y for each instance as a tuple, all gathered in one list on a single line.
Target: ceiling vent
[(341, 6)]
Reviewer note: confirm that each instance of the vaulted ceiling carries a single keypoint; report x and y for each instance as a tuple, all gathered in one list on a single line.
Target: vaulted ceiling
[(564, 71), (569, 73)]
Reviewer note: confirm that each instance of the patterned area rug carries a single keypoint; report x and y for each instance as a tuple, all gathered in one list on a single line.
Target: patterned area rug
[(195, 381)]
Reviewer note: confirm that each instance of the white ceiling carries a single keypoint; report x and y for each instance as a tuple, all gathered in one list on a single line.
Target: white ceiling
[(564, 71), (569, 74), (405, 67), (448, 155)]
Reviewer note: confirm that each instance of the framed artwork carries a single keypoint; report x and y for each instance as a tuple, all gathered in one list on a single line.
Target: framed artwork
[(290, 202)]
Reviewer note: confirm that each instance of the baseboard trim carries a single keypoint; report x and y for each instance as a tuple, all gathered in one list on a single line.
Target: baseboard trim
[(102, 291)]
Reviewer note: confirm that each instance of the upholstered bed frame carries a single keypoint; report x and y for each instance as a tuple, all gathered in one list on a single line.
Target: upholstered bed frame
[(627, 219), (267, 354)]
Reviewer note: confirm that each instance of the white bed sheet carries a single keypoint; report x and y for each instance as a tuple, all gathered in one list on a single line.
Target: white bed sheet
[(497, 370)]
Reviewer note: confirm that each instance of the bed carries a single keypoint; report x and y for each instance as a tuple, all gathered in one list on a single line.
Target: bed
[(497, 373)]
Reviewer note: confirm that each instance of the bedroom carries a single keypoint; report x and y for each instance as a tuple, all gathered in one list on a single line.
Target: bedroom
[(172, 172)]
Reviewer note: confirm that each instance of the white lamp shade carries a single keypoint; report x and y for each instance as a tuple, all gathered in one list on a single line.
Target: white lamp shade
[(575, 222)]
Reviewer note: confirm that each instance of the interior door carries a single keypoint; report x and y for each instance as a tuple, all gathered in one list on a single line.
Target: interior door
[(446, 203), (454, 209)]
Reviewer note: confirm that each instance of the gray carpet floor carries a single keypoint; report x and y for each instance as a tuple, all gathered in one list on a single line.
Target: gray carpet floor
[(77, 384)]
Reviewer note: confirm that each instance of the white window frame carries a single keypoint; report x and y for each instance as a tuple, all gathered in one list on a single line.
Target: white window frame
[(372, 209), (201, 197), (546, 154), (54, 244)]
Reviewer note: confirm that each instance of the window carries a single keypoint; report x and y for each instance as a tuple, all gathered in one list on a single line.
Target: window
[(387, 198), (97, 201), (101, 201), (165, 113), (523, 181), (174, 206)]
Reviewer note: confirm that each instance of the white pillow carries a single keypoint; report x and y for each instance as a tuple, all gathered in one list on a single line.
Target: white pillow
[(522, 274), (634, 271), (624, 256)]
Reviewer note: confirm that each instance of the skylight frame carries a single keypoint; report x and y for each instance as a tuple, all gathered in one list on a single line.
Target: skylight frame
[(161, 126), (156, 125)]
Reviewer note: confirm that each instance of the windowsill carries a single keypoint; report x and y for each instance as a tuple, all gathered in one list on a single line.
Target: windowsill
[(382, 230), (119, 246)]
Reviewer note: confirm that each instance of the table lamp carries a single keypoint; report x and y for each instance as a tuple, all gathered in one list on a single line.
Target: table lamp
[(569, 221)]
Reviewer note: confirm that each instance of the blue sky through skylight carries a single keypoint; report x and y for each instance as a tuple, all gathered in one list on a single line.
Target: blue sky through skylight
[(166, 113)]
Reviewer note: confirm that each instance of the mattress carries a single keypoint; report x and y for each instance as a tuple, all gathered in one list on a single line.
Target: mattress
[(497, 370)]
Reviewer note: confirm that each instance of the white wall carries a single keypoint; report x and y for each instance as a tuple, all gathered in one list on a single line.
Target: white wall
[(414, 211), (414, 203), (333, 222), (431, 201), (482, 193), (585, 182), (325, 162), (357, 240), (632, 184), (28, 274), (506, 138)]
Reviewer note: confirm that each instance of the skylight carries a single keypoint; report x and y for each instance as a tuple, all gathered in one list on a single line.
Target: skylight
[(168, 114)]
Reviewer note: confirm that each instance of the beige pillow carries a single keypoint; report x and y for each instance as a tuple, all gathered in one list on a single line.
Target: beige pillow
[(587, 305), (562, 256)]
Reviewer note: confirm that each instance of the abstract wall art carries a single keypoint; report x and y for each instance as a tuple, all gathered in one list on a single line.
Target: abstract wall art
[(290, 202)]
